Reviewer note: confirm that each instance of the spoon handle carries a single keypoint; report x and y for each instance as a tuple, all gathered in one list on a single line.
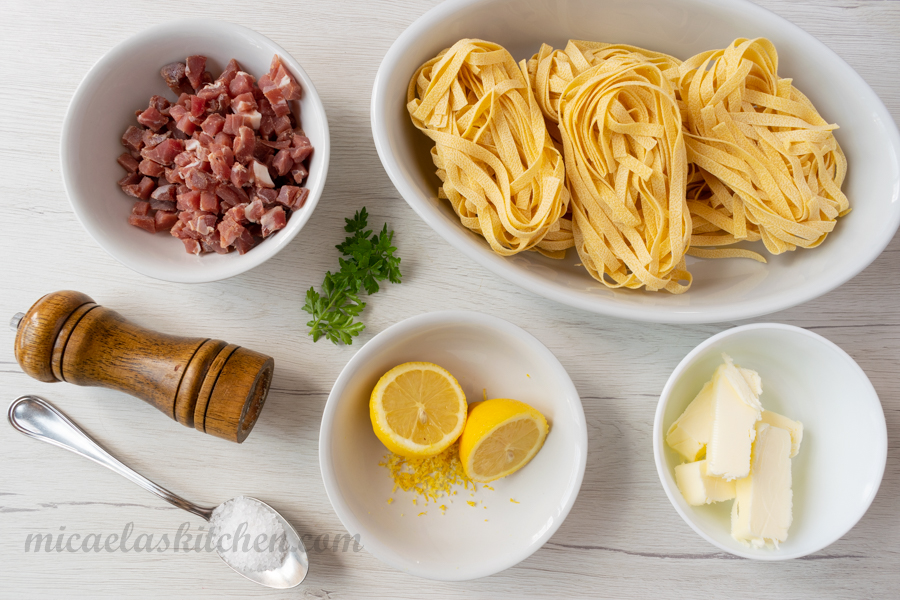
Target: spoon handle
[(38, 419)]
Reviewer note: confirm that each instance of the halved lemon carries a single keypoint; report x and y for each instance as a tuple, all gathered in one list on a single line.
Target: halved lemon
[(501, 437), (417, 409)]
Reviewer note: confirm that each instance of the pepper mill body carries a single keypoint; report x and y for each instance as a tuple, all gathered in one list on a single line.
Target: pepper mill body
[(207, 384)]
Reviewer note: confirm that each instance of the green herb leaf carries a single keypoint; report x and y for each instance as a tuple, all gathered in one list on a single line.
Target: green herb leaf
[(367, 260)]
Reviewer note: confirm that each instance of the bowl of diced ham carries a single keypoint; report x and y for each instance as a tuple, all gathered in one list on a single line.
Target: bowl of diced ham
[(195, 150)]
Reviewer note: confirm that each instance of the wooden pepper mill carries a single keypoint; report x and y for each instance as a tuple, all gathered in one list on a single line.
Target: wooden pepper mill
[(212, 386)]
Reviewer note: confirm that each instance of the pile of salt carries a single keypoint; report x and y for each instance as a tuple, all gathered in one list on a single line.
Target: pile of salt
[(247, 535)]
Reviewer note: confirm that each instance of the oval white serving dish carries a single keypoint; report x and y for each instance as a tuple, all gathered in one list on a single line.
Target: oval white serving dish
[(723, 289)]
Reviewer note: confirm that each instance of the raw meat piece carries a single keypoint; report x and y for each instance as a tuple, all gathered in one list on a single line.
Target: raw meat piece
[(196, 65), (273, 220), (127, 162), (146, 223)]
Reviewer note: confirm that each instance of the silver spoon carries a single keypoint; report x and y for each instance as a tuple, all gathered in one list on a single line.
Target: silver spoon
[(37, 418)]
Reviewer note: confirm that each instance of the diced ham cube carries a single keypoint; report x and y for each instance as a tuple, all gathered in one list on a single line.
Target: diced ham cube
[(242, 83), (164, 193), (260, 173), (289, 195), (174, 75), (212, 243), (302, 148), (163, 205), (231, 69), (231, 195), (198, 106), (203, 224), (244, 104), (283, 162), (233, 123), (299, 172), (221, 161), (141, 208), (244, 144), (254, 211), (194, 69), (280, 76), (268, 196), (165, 152), (146, 186), (151, 168), (177, 111), (186, 124), (188, 201), (282, 124), (130, 179), (133, 138), (301, 199), (172, 176), (229, 230), (244, 243), (151, 140), (236, 213), (212, 91), (240, 176), (223, 139), (273, 220), (160, 103), (199, 180), (165, 220), (209, 202), (127, 162), (152, 118), (147, 223), (191, 246), (213, 124)]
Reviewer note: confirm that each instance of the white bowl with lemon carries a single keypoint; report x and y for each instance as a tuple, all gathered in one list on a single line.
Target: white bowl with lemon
[(416, 390)]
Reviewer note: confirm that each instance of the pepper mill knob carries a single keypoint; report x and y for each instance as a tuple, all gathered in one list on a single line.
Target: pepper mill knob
[(207, 384)]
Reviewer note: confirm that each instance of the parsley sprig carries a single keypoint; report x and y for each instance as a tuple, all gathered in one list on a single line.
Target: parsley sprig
[(367, 260)]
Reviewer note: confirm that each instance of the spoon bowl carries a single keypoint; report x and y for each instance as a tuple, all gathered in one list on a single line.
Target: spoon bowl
[(37, 418)]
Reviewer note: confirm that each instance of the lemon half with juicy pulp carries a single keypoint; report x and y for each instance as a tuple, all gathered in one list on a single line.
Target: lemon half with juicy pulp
[(501, 437), (417, 409)]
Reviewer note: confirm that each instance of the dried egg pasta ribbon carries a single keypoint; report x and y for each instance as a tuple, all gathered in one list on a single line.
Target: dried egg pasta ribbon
[(550, 71), (767, 165), (500, 170), (626, 168)]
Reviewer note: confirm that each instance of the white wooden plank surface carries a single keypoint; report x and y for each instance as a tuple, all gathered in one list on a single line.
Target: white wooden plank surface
[(622, 538)]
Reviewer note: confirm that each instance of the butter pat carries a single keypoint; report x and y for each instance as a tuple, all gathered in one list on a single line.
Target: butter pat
[(736, 409), (698, 488), (689, 434), (795, 428), (762, 510)]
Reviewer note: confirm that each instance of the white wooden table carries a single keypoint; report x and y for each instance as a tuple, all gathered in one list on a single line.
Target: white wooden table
[(622, 538)]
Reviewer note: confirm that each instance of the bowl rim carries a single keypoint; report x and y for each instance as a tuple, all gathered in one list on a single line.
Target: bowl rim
[(241, 263), (401, 330), (659, 448), (463, 240)]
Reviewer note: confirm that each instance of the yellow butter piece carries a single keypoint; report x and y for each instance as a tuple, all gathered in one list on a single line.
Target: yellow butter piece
[(762, 510), (699, 488), (736, 409), (689, 434), (795, 428)]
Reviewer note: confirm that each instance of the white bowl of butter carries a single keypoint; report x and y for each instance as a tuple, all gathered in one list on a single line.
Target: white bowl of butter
[(834, 474)]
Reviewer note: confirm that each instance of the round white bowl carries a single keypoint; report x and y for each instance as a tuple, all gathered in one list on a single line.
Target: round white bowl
[(481, 352), (807, 378), (723, 289), (103, 107)]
